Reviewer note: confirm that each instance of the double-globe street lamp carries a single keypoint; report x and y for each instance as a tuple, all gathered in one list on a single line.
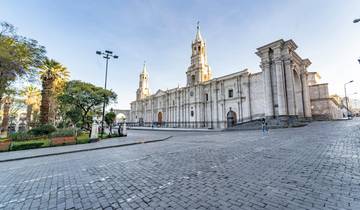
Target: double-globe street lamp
[(107, 54), (346, 98)]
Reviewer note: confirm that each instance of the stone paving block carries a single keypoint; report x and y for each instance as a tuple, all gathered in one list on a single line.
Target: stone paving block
[(313, 167)]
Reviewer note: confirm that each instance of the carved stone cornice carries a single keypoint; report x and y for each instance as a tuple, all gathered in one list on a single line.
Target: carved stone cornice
[(288, 61), (265, 65), (306, 62), (278, 59)]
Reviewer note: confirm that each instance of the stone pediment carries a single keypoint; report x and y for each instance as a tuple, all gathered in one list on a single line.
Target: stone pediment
[(159, 93)]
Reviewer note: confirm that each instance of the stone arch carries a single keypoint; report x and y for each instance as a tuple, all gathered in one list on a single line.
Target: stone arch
[(120, 117), (231, 119)]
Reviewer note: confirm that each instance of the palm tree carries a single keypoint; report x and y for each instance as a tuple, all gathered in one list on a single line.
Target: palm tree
[(32, 97), (53, 76)]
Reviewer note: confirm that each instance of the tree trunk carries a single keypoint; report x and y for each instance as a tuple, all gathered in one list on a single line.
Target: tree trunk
[(45, 100), (28, 114), (35, 120), (6, 111), (0, 101), (52, 109)]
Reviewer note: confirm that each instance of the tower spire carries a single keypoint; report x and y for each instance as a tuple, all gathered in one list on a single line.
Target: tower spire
[(144, 71), (198, 34), (143, 90), (199, 70)]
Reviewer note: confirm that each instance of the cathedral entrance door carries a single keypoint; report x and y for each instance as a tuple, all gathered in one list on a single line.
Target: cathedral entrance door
[(159, 118), (231, 119)]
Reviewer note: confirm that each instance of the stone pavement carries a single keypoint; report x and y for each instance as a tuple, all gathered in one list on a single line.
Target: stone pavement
[(130, 140), (312, 167)]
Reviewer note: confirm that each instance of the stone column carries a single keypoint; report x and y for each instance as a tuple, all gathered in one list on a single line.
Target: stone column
[(280, 85), (290, 87), (248, 97), (306, 95), (217, 103), (144, 111), (211, 105), (269, 106)]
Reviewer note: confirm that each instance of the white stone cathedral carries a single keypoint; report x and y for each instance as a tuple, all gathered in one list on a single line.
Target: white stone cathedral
[(279, 93)]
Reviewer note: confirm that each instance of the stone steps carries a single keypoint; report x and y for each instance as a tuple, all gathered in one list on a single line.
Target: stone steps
[(273, 123)]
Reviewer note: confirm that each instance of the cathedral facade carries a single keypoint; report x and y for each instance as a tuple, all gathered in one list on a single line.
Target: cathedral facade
[(278, 93)]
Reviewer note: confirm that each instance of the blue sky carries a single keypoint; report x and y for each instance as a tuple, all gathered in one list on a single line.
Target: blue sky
[(161, 32)]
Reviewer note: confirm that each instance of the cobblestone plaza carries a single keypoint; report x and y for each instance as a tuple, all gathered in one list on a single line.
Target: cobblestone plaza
[(313, 167)]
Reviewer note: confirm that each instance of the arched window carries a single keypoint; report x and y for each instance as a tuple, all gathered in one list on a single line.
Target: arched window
[(193, 78), (230, 93)]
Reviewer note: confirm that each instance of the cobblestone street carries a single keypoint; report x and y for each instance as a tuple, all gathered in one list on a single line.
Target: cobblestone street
[(313, 167)]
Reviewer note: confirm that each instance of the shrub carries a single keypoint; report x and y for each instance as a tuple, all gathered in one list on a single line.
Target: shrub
[(112, 135), (82, 132), (31, 145), (63, 133), (4, 139), (21, 136), (42, 130)]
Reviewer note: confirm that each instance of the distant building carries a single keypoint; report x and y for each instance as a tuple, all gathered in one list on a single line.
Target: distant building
[(280, 92), (323, 106)]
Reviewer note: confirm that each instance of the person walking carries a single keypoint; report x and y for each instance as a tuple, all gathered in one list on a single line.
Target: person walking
[(264, 126)]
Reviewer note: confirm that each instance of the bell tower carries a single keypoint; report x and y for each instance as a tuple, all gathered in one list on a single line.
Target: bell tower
[(143, 90), (199, 71)]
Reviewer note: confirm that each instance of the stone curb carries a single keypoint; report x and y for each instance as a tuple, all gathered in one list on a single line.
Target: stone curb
[(85, 150), (177, 130)]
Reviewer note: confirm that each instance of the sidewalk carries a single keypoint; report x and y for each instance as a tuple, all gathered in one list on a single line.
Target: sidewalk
[(174, 129), (103, 144)]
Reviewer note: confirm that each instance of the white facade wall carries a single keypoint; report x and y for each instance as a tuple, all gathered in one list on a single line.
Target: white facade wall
[(190, 107), (277, 91)]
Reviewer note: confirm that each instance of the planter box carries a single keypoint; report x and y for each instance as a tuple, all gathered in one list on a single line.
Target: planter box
[(5, 145), (64, 140)]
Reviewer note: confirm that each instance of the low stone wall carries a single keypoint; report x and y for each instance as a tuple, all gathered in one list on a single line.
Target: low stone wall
[(5, 145), (325, 109), (63, 140)]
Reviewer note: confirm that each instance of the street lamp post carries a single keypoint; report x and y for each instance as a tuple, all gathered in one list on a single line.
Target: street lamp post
[(357, 21), (107, 54), (346, 99)]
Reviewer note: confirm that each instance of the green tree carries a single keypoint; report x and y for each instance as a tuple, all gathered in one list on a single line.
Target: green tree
[(74, 115), (110, 119), (19, 56), (86, 98), (53, 77)]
